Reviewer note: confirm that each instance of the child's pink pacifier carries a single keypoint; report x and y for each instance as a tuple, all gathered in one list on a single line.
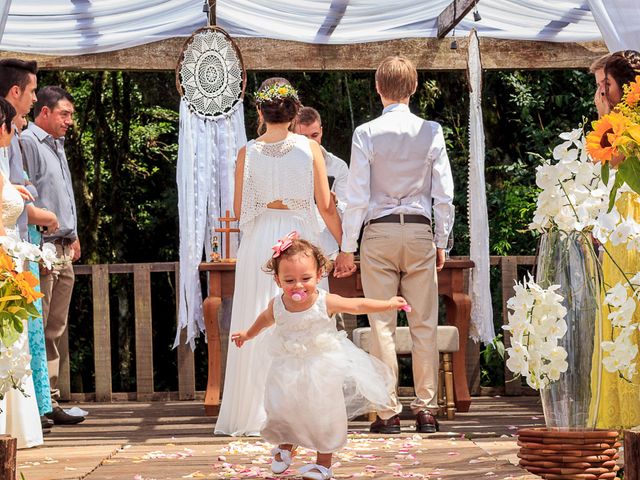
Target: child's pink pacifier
[(298, 295)]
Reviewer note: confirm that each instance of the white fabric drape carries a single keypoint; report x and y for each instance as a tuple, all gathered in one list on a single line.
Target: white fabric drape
[(64, 27), (619, 23), (207, 150), (481, 309)]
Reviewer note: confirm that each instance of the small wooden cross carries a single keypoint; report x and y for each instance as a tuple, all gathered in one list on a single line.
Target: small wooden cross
[(227, 231)]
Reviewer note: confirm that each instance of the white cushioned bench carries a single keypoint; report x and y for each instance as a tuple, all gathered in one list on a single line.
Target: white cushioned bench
[(448, 342)]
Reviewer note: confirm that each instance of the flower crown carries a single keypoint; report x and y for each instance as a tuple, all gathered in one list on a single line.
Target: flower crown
[(276, 91)]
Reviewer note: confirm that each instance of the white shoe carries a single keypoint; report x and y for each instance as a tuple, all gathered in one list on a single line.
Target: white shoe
[(316, 472), (280, 466)]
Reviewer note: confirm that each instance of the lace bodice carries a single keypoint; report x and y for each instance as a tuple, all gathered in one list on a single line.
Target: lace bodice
[(278, 171), (12, 207), (311, 331)]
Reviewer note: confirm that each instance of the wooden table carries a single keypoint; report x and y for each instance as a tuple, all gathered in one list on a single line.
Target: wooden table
[(450, 286)]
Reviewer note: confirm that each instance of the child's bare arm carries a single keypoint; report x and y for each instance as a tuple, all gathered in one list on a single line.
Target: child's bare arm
[(264, 320), (355, 306)]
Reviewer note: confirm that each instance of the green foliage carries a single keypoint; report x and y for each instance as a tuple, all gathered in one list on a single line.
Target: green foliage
[(492, 363)]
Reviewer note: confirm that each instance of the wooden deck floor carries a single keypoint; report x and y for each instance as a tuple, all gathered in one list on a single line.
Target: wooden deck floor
[(174, 440)]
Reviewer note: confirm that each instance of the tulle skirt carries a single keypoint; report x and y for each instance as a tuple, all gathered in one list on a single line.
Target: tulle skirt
[(313, 388), (242, 409)]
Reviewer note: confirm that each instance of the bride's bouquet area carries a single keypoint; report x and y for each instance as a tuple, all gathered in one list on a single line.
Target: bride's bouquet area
[(17, 296), (559, 342)]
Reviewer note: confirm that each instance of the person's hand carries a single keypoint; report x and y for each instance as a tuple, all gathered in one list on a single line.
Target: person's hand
[(239, 338), (24, 193), (75, 250), (51, 223), (601, 102), (395, 303), (345, 265), (440, 256)]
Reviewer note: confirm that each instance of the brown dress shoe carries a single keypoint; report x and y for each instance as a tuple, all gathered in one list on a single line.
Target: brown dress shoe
[(60, 417), (392, 425), (426, 422)]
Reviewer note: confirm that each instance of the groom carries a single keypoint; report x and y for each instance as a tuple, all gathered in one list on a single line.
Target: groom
[(399, 173)]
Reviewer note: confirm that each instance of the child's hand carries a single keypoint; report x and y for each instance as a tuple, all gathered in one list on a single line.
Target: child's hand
[(239, 338), (396, 303)]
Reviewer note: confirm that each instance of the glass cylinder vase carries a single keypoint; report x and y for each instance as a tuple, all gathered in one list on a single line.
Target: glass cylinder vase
[(569, 260)]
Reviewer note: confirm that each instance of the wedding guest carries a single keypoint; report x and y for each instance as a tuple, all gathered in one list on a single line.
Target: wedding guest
[(619, 400), (18, 410), (318, 378), (18, 82), (280, 179), (399, 173), (44, 155)]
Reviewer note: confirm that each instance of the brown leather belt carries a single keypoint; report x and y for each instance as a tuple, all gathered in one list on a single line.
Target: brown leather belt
[(402, 218), (64, 242)]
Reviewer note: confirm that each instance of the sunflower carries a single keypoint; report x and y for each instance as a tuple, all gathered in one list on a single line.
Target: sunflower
[(26, 282), (602, 141), (632, 92)]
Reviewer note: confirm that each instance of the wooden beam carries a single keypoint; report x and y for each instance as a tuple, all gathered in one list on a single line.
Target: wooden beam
[(263, 54), (452, 15)]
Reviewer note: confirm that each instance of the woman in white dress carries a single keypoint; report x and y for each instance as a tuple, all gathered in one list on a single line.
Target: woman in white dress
[(279, 177), (20, 417)]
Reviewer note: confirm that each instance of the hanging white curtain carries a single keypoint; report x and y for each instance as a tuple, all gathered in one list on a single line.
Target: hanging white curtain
[(619, 23), (63, 27), (481, 308), (207, 150)]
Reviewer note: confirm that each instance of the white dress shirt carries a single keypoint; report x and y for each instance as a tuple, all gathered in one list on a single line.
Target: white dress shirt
[(339, 170), (399, 164)]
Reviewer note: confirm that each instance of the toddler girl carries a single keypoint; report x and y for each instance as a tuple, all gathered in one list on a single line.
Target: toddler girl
[(317, 378)]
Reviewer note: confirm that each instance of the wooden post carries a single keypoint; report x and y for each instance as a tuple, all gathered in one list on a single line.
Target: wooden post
[(186, 363), (8, 447), (227, 231), (632, 454), (144, 332), (509, 268), (101, 332), (453, 15)]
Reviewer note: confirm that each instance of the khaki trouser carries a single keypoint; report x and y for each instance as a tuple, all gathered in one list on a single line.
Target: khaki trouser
[(401, 258), (57, 287)]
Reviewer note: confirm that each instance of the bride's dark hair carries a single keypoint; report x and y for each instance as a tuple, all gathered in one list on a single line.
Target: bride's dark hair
[(623, 67), (277, 110), (7, 112)]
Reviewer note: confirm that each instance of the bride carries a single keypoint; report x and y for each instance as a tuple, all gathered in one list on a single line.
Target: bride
[(20, 417), (278, 177)]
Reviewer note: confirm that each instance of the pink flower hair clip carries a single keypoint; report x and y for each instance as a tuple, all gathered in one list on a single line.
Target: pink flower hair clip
[(284, 243)]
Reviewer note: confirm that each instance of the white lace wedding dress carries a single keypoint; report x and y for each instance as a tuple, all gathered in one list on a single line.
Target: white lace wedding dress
[(272, 171), (20, 417)]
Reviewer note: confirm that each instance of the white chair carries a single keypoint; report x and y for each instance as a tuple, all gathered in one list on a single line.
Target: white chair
[(448, 342)]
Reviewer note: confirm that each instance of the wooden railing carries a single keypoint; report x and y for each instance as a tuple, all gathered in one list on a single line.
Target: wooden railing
[(143, 319)]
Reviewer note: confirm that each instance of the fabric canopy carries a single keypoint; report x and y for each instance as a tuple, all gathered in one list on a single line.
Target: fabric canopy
[(72, 27)]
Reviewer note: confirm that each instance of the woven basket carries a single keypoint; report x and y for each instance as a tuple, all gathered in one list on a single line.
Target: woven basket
[(575, 454)]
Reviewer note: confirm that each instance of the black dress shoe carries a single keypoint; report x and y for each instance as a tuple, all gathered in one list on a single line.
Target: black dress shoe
[(45, 422), (392, 425), (426, 422), (60, 417)]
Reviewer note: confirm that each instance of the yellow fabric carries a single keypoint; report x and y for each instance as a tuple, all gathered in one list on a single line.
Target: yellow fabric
[(619, 402)]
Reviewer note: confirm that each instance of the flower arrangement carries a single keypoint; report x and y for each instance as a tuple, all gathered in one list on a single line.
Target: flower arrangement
[(536, 322), (578, 194), (276, 91), (17, 294), (615, 141)]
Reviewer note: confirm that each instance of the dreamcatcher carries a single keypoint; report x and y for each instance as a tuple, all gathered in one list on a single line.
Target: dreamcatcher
[(210, 78)]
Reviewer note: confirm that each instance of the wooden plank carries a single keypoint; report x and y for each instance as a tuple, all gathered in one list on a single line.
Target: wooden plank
[(509, 269), (64, 373), (186, 363), (144, 332), (452, 15), (8, 450), (632, 454), (101, 332), (263, 54)]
